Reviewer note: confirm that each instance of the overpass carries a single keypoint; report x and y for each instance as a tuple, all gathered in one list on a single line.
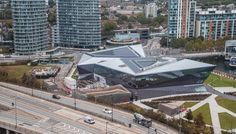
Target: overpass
[(8, 127), (160, 34)]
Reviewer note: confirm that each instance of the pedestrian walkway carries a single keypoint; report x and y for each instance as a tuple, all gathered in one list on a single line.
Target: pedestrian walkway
[(215, 109), (140, 104), (225, 89)]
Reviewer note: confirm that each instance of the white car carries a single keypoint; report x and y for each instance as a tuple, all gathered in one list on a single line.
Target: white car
[(107, 111), (89, 120)]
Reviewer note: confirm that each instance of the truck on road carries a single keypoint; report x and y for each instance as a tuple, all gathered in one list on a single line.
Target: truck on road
[(139, 119), (70, 83)]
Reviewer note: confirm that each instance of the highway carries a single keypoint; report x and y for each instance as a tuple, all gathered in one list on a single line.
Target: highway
[(96, 109), (54, 118)]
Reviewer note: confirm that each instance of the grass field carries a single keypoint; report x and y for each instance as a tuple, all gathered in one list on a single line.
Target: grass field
[(205, 110), (227, 121), (218, 81), (16, 71), (189, 104), (226, 103)]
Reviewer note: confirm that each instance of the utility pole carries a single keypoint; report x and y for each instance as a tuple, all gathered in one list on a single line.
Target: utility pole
[(14, 105)]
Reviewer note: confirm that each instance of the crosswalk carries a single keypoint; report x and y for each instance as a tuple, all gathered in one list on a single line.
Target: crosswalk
[(63, 128)]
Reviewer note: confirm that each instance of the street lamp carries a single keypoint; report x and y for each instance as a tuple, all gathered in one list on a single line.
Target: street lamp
[(180, 120), (76, 87), (75, 99), (32, 91), (14, 105), (106, 127), (112, 108)]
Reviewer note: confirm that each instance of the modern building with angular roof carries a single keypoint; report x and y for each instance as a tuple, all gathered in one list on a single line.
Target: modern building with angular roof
[(129, 66)]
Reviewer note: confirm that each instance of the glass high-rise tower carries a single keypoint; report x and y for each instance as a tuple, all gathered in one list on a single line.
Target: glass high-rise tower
[(30, 26), (78, 23)]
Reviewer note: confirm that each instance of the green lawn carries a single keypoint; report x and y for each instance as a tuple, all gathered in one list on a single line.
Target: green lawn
[(16, 72), (75, 75), (227, 121), (205, 110), (218, 81), (226, 103), (189, 104)]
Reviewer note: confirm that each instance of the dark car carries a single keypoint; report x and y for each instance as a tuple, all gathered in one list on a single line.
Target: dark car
[(54, 96)]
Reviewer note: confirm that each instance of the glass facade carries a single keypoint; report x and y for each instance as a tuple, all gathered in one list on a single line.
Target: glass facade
[(30, 26), (79, 23), (113, 77)]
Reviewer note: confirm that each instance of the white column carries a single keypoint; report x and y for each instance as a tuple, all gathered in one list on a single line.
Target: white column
[(232, 34), (204, 30), (221, 29)]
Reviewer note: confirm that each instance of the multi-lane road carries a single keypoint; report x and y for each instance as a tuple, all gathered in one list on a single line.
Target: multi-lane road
[(96, 109), (54, 118)]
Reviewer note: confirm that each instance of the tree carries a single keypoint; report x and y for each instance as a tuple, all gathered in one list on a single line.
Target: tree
[(198, 120), (163, 42), (130, 26), (51, 3), (123, 18), (132, 19), (109, 26), (141, 18), (189, 115), (178, 43), (52, 18)]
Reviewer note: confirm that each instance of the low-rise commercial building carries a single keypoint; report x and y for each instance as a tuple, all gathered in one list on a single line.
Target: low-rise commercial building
[(143, 32), (124, 39), (129, 66), (230, 49)]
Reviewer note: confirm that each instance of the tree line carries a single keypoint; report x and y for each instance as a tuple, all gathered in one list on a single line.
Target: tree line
[(196, 44)]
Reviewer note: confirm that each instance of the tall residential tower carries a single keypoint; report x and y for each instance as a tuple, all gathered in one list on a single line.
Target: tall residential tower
[(30, 26), (78, 23), (181, 19)]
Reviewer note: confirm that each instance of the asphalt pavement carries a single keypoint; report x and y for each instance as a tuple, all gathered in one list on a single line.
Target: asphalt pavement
[(55, 118), (96, 109)]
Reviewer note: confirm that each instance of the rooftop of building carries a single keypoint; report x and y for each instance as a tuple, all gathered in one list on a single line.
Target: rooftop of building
[(132, 60), (214, 10), (230, 43)]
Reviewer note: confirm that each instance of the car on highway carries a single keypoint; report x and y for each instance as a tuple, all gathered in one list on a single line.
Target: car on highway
[(89, 120), (54, 96), (107, 111)]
